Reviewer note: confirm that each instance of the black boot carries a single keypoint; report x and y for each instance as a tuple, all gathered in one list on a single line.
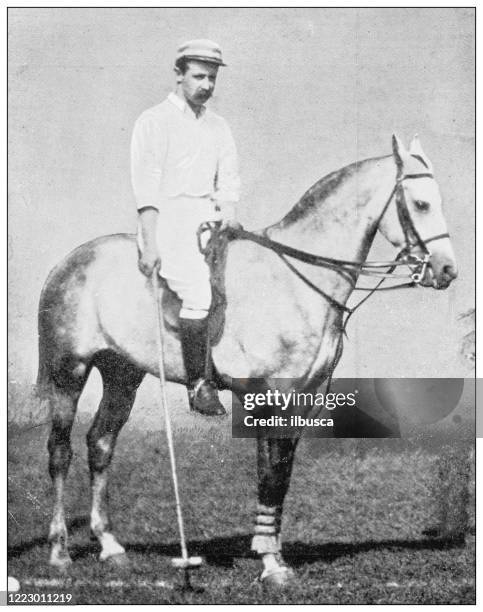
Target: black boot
[(202, 393)]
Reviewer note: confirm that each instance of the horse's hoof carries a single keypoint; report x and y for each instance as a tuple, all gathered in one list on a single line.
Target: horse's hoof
[(60, 563), (283, 577), (119, 561)]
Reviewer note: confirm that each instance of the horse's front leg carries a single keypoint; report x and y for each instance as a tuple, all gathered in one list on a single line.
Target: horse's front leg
[(275, 460)]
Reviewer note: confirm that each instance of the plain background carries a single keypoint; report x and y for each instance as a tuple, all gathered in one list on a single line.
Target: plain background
[(306, 91)]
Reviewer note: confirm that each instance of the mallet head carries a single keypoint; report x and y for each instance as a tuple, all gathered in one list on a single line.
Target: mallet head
[(188, 563)]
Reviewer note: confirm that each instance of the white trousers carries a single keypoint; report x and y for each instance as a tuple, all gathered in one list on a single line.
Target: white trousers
[(182, 265)]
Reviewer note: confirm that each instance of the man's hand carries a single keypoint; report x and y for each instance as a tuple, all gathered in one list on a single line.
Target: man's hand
[(149, 261), (228, 216), (148, 257)]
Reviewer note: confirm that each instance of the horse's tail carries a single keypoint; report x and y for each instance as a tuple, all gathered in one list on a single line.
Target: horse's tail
[(44, 375), (44, 323), (43, 378), (58, 363)]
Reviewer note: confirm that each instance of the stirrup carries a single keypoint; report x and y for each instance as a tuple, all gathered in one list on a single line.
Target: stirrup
[(203, 398)]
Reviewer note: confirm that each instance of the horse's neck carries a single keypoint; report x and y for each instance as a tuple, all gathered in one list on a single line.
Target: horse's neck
[(338, 216)]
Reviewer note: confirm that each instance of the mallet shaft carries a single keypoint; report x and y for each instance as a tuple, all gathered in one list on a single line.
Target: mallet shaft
[(164, 401)]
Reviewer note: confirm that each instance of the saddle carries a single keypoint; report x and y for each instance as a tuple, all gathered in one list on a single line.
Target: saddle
[(213, 245)]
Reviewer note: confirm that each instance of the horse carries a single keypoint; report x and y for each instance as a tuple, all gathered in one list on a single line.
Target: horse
[(97, 310)]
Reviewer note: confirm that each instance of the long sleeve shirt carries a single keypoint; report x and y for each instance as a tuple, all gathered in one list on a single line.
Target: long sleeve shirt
[(174, 153)]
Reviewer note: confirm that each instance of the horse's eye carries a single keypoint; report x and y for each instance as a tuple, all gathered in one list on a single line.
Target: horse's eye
[(421, 205)]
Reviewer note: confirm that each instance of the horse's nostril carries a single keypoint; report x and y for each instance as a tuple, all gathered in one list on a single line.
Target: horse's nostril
[(450, 271)]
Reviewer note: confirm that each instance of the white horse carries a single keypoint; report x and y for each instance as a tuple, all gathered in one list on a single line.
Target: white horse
[(97, 309)]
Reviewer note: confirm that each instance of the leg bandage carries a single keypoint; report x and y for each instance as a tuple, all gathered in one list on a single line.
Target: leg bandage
[(267, 530)]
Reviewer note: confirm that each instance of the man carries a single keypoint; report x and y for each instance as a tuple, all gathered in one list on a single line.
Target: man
[(184, 171)]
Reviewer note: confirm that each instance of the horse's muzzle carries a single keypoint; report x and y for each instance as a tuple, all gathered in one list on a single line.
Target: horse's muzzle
[(448, 274), (440, 277)]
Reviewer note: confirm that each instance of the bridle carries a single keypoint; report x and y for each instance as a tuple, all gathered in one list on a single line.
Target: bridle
[(411, 235), (418, 264), (405, 257)]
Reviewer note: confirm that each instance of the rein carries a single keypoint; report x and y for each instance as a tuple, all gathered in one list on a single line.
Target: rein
[(353, 268)]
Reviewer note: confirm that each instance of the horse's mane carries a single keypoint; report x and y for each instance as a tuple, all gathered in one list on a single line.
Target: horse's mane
[(322, 189)]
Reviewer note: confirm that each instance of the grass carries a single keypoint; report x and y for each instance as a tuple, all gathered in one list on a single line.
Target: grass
[(353, 521)]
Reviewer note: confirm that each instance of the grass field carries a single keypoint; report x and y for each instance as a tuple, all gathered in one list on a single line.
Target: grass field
[(353, 523)]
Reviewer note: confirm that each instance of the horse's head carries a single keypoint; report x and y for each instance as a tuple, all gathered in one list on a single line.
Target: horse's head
[(416, 224)]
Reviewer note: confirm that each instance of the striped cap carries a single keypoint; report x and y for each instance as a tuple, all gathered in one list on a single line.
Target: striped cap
[(201, 49)]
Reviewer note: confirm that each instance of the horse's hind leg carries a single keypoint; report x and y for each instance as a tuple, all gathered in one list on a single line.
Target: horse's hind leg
[(62, 396), (120, 381)]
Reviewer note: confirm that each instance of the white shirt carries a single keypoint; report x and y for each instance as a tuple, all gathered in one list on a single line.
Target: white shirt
[(174, 153)]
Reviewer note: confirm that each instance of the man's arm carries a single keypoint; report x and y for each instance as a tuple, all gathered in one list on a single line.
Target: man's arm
[(146, 173), (148, 254), (227, 192)]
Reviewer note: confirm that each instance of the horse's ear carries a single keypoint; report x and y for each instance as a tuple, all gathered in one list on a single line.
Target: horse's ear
[(416, 149), (415, 146), (398, 150)]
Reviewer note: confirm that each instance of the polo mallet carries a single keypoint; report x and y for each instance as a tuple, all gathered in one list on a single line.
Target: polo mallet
[(184, 562)]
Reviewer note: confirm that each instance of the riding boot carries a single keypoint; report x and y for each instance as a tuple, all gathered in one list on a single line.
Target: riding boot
[(202, 393)]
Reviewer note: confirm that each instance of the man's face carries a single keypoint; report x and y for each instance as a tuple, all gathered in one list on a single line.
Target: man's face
[(198, 82)]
